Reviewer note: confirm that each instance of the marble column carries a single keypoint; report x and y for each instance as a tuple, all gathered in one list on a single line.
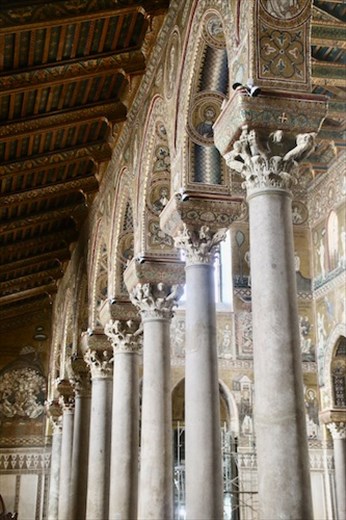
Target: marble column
[(338, 432), (80, 450), (155, 302), (54, 413), (269, 166), (204, 487), (67, 402), (99, 357), (125, 337)]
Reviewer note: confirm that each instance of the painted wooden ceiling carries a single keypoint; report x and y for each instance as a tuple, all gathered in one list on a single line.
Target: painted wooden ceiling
[(65, 73)]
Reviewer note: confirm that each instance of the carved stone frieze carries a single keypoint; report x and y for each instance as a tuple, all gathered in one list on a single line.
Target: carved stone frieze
[(125, 336), (200, 244), (265, 162), (156, 300), (337, 430)]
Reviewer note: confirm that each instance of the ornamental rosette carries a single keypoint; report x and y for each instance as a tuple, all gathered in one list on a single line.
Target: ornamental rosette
[(22, 393)]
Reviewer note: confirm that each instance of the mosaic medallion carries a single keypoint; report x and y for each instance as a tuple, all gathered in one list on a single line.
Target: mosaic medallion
[(204, 112)]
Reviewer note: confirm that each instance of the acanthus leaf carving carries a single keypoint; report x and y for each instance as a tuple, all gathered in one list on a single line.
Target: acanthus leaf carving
[(267, 163), (125, 336), (100, 363), (156, 300), (200, 244)]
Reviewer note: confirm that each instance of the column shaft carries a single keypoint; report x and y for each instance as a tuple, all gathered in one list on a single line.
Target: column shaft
[(125, 438), (65, 465), (156, 486), (204, 491), (80, 452), (53, 499), (340, 476), (282, 451), (99, 449)]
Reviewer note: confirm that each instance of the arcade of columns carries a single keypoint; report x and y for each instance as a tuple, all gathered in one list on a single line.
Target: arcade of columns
[(95, 468)]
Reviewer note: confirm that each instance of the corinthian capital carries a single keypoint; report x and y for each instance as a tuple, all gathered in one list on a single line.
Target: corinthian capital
[(199, 245), (156, 300), (100, 363), (125, 336), (80, 376), (66, 397), (271, 161), (337, 430), (54, 414)]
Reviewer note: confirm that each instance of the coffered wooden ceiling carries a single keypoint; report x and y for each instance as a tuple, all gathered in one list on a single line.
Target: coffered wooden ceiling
[(66, 67), (66, 72)]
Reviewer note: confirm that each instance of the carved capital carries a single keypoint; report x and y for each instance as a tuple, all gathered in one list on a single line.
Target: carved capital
[(125, 336), (156, 300), (337, 430), (54, 414), (269, 161), (199, 244), (66, 397), (100, 363), (80, 380)]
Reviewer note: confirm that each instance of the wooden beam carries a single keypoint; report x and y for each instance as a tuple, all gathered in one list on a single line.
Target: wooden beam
[(40, 218), (20, 19), (86, 184), (109, 111), (49, 240), (29, 293), (58, 254), (41, 276), (67, 71), (98, 152)]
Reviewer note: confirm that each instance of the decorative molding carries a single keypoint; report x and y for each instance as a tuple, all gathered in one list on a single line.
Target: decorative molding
[(25, 460)]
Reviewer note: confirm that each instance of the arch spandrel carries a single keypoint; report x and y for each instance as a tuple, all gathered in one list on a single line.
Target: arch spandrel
[(205, 86), (153, 186)]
